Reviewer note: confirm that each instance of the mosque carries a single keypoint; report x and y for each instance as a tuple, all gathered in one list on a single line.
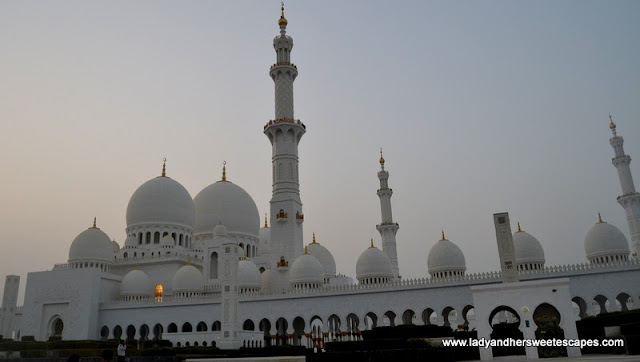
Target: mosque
[(207, 270)]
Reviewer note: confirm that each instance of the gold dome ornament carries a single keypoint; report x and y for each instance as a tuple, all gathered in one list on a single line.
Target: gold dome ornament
[(381, 158), (611, 124), (282, 21)]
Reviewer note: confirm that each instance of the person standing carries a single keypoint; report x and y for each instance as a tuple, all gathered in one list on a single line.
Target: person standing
[(122, 348)]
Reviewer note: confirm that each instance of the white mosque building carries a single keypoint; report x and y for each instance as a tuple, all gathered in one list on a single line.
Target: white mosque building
[(207, 270)]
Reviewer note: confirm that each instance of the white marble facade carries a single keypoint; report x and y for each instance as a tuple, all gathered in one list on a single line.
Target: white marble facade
[(167, 280)]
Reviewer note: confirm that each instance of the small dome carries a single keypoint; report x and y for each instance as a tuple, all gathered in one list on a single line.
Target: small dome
[(324, 256), (373, 263), (527, 249), (116, 246), (446, 256), (131, 242), (188, 279), (135, 284), (225, 202), (248, 275), (220, 231), (91, 244), (605, 240), (265, 279), (167, 240), (306, 269), (161, 200)]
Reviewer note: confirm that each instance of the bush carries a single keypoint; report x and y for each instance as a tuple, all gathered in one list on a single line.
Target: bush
[(28, 339)]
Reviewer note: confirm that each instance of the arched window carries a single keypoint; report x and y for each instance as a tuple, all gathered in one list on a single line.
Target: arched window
[(148, 241), (180, 240), (213, 266), (139, 238), (156, 237), (216, 326), (186, 327), (173, 328), (201, 327), (158, 293)]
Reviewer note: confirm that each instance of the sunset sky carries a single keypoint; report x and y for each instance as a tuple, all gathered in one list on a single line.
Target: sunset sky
[(480, 107)]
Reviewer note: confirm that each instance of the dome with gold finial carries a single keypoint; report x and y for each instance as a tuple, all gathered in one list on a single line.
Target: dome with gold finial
[(91, 245), (188, 279), (373, 266), (446, 259), (605, 243), (324, 256), (528, 251), (306, 272), (227, 203), (381, 158), (161, 200), (136, 283)]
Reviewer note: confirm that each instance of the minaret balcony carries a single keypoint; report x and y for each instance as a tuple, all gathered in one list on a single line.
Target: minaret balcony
[(299, 217), (282, 216), (286, 121), (283, 64), (630, 195)]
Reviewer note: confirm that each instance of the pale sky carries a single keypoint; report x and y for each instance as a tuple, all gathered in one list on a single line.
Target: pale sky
[(481, 107)]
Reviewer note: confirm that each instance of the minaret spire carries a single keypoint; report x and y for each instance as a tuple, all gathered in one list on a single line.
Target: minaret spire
[(630, 199), (164, 167), (387, 228), (284, 133)]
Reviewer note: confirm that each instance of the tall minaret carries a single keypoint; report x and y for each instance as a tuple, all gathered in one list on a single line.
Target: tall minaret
[(387, 228), (630, 199), (284, 133)]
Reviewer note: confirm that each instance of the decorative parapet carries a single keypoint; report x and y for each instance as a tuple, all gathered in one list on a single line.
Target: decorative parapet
[(62, 266), (195, 259), (417, 283), (19, 309)]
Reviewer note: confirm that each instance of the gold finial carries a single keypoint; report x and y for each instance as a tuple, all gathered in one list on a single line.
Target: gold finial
[(372, 243), (600, 218), (282, 21), (443, 238), (164, 167), (265, 220), (611, 124), (381, 158), (188, 259), (224, 170), (305, 250), (137, 266), (314, 239), (244, 256), (94, 222), (519, 229)]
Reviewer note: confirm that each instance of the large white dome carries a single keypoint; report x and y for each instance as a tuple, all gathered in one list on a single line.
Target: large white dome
[(136, 284), (324, 256), (528, 249), (225, 202), (306, 269), (248, 275), (373, 263), (446, 256), (605, 240), (188, 279), (91, 244), (161, 200)]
